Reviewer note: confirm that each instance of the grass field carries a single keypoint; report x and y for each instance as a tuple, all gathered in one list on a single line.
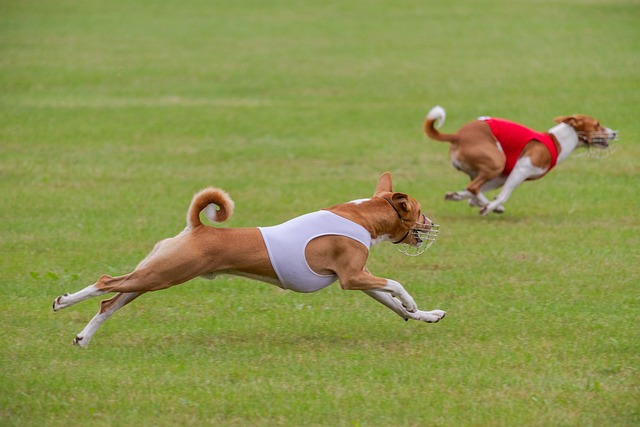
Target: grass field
[(112, 114)]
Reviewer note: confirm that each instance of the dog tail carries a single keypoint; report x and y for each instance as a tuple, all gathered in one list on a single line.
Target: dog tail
[(207, 200), (434, 120)]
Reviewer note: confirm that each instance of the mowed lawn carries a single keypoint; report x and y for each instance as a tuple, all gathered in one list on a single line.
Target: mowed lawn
[(113, 113)]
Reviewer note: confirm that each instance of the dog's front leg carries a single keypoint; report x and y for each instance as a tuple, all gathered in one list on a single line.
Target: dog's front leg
[(397, 291), (354, 275), (395, 305), (389, 301), (386, 291), (395, 297), (522, 171), (363, 281)]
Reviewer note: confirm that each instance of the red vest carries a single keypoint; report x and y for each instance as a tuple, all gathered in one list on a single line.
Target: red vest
[(513, 137)]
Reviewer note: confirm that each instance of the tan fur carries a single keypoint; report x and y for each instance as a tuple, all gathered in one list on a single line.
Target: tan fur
[(203, 199), (205, 251), (474, 150), (202, 250)]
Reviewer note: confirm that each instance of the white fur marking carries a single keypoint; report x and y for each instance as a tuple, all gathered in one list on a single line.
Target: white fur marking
[(395, 305), (211, 212), (397, 291), (66, 300), (359, 201), (383, 238), (438, 114), (523, 170), (567, 138)]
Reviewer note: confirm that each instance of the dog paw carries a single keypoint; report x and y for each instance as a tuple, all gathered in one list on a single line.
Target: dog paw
[(411, 308), (487, 210), (59, 303), (407, 301), (433, 316), (79, 341), (453, 197), (494, 206)]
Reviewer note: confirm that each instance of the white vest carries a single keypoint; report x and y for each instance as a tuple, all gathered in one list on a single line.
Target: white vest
[(286, 244)]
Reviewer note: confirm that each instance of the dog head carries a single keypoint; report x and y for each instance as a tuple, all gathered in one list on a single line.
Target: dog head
[(414, 232), (590, 131)]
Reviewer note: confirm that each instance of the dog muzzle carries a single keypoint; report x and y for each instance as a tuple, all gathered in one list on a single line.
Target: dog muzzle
[(600, 144), (424, 234)]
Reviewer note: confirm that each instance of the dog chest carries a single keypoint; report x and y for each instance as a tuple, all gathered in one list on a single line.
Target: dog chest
[(286, 244)]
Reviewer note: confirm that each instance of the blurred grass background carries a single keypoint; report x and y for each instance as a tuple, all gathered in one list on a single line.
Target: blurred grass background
[(113, 114)]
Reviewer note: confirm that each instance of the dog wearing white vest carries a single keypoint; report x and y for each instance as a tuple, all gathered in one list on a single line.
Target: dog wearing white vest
[(304, 254)]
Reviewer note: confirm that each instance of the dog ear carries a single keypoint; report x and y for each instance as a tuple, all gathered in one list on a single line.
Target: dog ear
[(401, 201), (570, 120), (384, 184)]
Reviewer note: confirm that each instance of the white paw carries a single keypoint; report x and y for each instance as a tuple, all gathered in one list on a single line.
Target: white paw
[(80, 341), (433, 316), (487, 209), (453, 197), (60, 302), (408, 303), (492, 207), (411, 308)]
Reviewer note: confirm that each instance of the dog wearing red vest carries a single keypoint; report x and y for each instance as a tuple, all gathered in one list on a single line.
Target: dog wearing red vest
[(499, 153)]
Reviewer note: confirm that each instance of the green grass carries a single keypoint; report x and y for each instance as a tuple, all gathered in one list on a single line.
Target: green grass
[(112, 114)]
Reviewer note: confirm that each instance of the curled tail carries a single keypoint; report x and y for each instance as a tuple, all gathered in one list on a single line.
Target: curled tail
[(208, 199), (434, 119)]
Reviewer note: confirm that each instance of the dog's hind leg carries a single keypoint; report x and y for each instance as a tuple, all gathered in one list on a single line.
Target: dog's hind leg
[(104, 285), (484, 181), (107, 308), (475, 200), (481, 200), (66, 300), (478, 199), (457, 196), (141, 280)]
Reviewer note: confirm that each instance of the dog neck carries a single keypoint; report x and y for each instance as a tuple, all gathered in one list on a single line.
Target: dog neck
[(567, 138)]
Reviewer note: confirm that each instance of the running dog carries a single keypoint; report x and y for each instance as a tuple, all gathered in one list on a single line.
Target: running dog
[(498, 153), (305, 254)]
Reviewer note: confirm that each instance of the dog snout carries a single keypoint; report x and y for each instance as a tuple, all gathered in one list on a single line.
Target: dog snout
[(429, 224), (613, 134)]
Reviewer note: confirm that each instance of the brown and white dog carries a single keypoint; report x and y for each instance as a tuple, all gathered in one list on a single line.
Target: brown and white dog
[(498, 153), (305, 254)]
